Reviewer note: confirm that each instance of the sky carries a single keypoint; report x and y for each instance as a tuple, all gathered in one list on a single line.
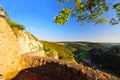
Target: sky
[(38, 18)]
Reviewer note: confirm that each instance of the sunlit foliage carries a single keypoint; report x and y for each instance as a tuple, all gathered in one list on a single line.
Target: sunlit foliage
[(116, 20), (87, 11)]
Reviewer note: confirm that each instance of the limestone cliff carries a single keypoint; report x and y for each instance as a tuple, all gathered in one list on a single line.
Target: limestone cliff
[(29, 44), (9, 49)]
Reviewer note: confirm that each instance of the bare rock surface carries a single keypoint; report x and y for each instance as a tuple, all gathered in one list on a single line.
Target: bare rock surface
[(29, 44), (54, 69), (9, 49)]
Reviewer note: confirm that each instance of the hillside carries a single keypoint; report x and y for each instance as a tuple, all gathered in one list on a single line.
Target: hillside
[(102, 56), (64, 52)]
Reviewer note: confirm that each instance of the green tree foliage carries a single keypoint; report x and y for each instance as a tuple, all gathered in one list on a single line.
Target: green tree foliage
[(110, 59), (116, 20), (87, 11), (63, 17), (84, 55), (47, 49), (97, 55)]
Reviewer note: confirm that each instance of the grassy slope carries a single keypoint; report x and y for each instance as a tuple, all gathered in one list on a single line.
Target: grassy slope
[(63, 52)]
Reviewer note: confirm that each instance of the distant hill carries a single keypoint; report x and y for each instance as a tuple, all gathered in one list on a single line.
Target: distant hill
[(103, 56), (85, 45)]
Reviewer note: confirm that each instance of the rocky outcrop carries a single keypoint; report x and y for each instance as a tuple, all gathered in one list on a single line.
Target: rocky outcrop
[(9, 49), (29, 44), (38, 68), (52, 54), (2, 12)]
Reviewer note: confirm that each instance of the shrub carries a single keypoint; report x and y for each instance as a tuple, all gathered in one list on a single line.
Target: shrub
[(15, 25)]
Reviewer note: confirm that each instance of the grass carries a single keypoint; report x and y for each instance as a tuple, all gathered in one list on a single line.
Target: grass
[(15, 26), (63, 52)]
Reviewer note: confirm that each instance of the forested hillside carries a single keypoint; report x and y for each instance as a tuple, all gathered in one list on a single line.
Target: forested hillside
[(102, 56)]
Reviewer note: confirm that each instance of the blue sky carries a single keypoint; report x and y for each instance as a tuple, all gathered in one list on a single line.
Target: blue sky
[(38, 18)]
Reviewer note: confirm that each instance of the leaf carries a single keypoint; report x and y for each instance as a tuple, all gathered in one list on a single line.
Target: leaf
[(62, 18)]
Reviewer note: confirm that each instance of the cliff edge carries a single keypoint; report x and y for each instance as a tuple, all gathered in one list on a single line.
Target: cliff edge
[(39, 68), (9, 49)]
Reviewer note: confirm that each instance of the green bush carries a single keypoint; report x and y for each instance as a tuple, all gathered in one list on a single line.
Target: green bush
[(84, 55), (15, 25), (47, 49)]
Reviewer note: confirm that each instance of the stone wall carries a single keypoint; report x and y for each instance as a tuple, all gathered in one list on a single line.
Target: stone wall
[(58, 70)]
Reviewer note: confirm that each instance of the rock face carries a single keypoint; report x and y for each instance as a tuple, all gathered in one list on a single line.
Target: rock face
[(9, 49), (39, 68), (29, 44)]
